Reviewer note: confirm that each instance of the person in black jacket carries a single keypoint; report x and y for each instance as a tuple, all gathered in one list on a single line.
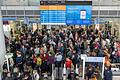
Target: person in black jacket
[(5, 65), (27, 77), (107, 74), (72, 76)]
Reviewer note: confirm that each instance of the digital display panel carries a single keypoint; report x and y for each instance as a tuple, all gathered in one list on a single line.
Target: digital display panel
[(53, 14), (65, 12), (78, 15)]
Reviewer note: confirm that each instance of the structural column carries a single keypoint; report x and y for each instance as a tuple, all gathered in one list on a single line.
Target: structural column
[(118, 33), (2, 42)]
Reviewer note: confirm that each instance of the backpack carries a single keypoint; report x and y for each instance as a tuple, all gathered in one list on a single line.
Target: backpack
[(19, 59), (39, 61)]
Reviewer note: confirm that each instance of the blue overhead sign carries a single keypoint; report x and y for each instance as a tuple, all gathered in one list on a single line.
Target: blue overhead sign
[(52, 17), (8, 18)]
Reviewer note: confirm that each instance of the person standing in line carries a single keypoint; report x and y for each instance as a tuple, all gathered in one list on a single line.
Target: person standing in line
[(108, 74), (58, 62), (19, 61), (35, 75), (9, 76)]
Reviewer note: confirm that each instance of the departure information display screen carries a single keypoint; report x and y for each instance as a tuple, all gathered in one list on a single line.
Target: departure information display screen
[(53, 14), (65, 12)]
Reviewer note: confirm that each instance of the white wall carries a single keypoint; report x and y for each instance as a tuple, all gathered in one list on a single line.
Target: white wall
[(20, 8), (14, 2), (20, 2), (37, 2), (106, 2), (38, 8), (106, 7), (34, 2)]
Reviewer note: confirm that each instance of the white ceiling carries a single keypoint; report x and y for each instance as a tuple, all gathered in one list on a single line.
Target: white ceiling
[(37, 2), (106, 2)]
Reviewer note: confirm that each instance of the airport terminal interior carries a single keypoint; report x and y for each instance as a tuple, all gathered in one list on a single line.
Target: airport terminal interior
[(59, 39)]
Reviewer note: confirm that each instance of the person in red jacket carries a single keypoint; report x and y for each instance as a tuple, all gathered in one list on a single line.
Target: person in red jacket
[(44, 66), (44, 57), (68, 63)]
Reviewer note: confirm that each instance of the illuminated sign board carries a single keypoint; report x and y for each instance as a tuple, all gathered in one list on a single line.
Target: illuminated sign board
[(78, 14), (65, 12)]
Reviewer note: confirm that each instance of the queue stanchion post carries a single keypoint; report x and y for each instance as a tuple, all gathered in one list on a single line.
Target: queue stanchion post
[(8, 66), (53, 72), (64, 73), (77, 71), (8, 56)]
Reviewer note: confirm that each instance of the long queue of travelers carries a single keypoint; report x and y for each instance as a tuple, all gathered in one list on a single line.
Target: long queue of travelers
[(35, 52)]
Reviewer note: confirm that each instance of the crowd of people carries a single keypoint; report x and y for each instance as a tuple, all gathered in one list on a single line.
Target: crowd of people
[(35, 52)]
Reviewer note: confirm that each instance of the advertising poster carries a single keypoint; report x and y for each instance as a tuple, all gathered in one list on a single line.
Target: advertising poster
[(83, 14)]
